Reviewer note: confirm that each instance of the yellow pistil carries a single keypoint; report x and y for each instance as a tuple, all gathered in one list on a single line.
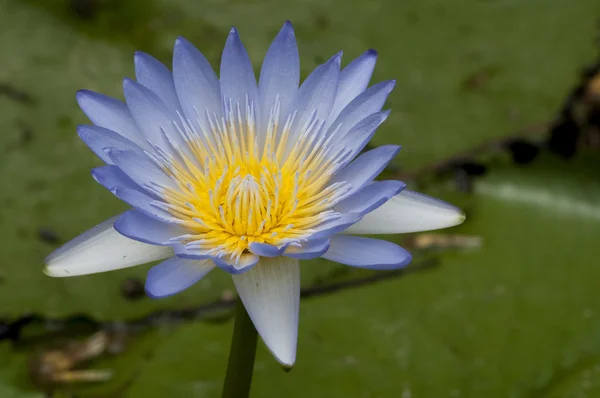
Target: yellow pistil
[(236, 187)]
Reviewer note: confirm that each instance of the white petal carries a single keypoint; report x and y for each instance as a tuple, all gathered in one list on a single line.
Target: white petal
[(101, 249), (271, 294), (408, 211)]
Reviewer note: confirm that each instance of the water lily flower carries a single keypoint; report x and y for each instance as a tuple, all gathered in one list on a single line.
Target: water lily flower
[(222, 172)]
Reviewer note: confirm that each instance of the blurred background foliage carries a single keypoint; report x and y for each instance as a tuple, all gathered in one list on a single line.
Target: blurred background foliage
[(493, 115)]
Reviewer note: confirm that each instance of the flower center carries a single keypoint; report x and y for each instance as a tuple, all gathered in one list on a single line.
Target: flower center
[(236, 188)]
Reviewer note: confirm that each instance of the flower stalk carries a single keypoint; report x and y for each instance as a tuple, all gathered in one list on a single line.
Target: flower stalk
[(240, 367)]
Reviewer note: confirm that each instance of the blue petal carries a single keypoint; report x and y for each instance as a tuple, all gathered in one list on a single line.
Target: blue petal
[(238, 82), (360, 135), (334, 226), (174, 275), (266, 250), (365, 104), (152, 116), (354, 79), (315, 96), (191, 253), (280, 74), (308, 250), (138, 226), (152, 74), (99, 138), (233, 266), (197, 85), (140, 169), (142, 202), (112, 177), (111, 114), (366, 167), (370, 197), (367, 253)]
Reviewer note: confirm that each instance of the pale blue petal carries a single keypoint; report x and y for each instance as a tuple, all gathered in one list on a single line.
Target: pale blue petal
[(280, 74), (191, 253), (111, 114), (197, 85), (112, 177), (152, 74), (140, 169), (236, 266), (367, 253), (308, 250), (315, 96), (360, 135), (99, 138), (152, 116), (238, 83), (175, 275), (367, 103), (266, 250), (143, 202), (334, 226), (366, 167), (370, 197), (138, 226), (354, 79)]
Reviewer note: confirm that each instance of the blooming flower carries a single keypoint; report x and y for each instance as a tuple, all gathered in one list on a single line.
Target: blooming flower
[(250, 178)]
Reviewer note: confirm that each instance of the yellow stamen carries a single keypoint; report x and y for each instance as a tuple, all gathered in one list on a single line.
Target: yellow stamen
[(236, 188)]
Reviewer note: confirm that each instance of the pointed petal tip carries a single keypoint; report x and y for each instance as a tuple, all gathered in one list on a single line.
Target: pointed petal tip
[(287, 30), (393, 149), (139, 56), (371, 53), (52, 271), (152, 296), (460, 217), (82, 131), (128, 84), (180, 41), (338, 57), (286, 365), (233, 32), (82, 94), (83, 97)]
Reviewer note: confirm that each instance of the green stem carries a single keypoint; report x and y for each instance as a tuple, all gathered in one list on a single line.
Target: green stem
[(241, 356)]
